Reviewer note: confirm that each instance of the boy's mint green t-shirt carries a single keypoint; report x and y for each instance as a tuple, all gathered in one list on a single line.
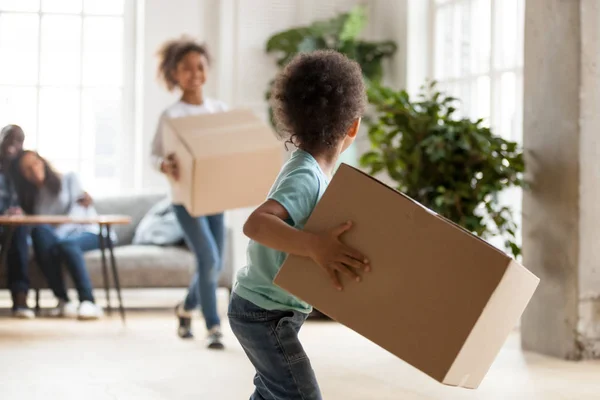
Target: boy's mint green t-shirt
[(298, 188)]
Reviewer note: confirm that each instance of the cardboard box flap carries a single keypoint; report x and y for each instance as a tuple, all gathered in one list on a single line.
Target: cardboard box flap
[(498, 318), (343, 165), (172, 139), (231, 132), (172, 144)]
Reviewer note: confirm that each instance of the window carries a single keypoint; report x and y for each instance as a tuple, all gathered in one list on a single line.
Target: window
[(62, 73), (478, 58)]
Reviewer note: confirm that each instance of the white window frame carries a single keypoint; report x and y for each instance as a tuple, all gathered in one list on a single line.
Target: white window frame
[(511, 197), (494, 73), (125, 145)]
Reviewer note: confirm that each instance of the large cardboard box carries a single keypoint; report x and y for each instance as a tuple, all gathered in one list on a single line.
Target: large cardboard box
[(438, 297), (227, 160)]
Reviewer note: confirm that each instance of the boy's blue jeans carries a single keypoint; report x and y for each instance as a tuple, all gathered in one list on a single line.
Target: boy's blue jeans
[(270, 340), (205, 237)]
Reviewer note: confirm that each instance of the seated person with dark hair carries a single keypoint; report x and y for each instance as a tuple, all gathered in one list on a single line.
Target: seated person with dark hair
[(43, 191), (11, 144)]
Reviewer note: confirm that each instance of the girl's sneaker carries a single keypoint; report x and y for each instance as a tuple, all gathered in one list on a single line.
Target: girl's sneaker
[(89, 311), (184, 330), (214, 340), (23, 313), (64, 309)]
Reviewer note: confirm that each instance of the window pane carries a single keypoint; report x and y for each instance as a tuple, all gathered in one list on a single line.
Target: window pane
[(100, 176), (19, 106), (105, 169), (481, 99), (480, 36), (62, 6), (103, 51), (59, 123), (61, 50), (19, 49), (102, 129), (104, 186), (443, 43), (64, 165), (20, 5), (453, 41), (505, 110), (520, 45), (507, 27), (104, 7), (518, 128), (462, 17), (464, 95), (102, 123)]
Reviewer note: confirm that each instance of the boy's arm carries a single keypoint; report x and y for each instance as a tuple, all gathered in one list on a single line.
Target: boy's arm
[(267, 225)]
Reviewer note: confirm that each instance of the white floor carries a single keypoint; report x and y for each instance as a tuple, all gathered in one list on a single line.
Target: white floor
[(50, 359)]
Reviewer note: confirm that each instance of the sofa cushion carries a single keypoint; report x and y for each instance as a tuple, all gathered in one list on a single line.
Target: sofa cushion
[(152, 267), (145, 266), (138, 267)]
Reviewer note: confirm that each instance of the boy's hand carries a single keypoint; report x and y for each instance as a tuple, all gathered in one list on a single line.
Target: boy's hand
[(335, 257)]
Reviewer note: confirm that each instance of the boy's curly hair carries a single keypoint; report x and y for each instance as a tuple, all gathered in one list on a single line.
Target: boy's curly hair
[(316, 98), (171, 52)]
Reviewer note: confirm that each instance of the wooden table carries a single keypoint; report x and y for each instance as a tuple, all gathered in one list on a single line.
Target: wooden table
[(105, 223)]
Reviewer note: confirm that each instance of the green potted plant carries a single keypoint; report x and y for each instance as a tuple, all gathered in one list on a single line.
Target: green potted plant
[(454, 166), (340, 33)]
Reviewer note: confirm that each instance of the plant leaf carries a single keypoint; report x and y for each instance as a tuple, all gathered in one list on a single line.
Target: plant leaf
[(354, 24), (458, 167)]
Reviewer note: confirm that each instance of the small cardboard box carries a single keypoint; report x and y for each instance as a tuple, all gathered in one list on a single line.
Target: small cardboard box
[(227, 160), (437, 297)]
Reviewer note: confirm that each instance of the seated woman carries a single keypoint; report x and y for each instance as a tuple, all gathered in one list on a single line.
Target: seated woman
[(42, 191)]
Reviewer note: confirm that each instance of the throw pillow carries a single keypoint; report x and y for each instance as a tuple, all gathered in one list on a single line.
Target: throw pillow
[(159, 226)]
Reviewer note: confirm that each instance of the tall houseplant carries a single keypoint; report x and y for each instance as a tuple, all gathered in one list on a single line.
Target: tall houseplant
[(340, 33), (455, 166)]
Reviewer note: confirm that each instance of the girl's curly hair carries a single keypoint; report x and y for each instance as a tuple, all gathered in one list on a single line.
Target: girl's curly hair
[(171, 53)]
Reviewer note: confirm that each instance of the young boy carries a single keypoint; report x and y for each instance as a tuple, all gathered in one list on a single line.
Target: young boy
[(318, 101)]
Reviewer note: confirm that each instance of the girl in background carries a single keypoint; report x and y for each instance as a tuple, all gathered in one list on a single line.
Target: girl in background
[(43, 191), (183, 66)]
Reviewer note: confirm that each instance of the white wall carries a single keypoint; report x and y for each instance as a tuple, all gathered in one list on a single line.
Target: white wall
[(159, 21), (236, 32)]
